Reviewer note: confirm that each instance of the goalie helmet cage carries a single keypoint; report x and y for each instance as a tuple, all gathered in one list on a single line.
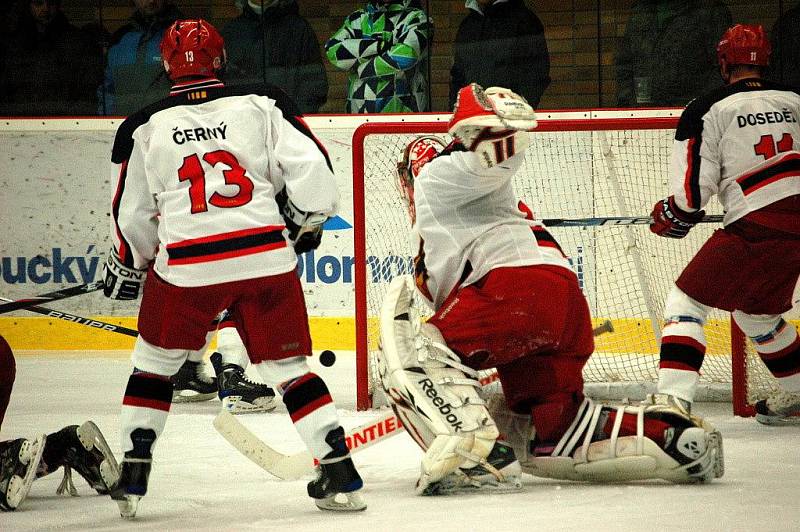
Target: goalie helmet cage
[(591, 166)]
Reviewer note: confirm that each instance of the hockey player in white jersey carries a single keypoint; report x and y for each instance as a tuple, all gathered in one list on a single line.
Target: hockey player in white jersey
[(504, 297), (742, 143), (217, 191)]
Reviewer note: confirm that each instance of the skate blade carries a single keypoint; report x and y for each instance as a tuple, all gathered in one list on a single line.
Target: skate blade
[(235, 405), (190, 396), (342, 502), (30, 453), (128, 506), (91, 437), (458, 484), (715, 441), (778, 421)]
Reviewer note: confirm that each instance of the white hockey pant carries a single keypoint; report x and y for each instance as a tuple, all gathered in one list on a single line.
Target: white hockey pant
[(431, 391), (684, 317), (624, 458)]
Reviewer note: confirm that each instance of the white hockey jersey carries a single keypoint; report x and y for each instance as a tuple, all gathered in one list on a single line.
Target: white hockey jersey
[(742, 142), (197, 177), (469, 222)]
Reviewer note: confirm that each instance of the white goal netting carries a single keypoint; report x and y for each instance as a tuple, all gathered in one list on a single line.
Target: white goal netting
[(625, 272)]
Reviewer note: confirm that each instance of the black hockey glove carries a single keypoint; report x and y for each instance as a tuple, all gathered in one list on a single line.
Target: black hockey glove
[(121, 282)]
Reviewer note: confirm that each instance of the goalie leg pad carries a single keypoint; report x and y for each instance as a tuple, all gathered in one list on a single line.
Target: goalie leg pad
[(433, 393), (612, 445)]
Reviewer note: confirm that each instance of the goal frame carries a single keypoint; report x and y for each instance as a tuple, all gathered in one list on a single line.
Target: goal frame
[(739, 401)]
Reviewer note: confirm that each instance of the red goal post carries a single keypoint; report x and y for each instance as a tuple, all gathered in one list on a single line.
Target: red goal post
[(580, 164)]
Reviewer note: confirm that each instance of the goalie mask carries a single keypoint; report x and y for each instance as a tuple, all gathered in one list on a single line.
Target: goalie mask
[(192, 48), (417, 154)]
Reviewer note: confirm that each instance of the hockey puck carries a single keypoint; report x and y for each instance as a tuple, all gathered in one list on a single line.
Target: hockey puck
[(327, 358)]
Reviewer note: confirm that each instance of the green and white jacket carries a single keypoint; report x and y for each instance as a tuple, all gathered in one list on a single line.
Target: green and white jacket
[(385, 49)]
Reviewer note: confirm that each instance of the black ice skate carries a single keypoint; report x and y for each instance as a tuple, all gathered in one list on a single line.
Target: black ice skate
[(337, 483), (136, 464), (781, 408), (500, 471), (19, 460), (84, 449), (192, 384), (240, 395)]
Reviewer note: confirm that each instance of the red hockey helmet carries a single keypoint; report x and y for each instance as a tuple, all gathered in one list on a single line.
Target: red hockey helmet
[(192, 47), (744, 44)]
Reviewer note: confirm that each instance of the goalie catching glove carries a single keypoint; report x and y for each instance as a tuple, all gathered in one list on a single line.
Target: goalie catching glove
[(121, 282), (493, 123), (671, 221), (305, 228)]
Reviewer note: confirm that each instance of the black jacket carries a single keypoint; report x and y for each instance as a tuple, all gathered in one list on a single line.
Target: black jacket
[(279, 48), (50, 73), (503, 47)]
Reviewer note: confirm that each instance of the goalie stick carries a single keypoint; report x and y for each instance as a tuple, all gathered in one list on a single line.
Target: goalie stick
[(63, 293), (79, 320), (297, 465), (614, 220)]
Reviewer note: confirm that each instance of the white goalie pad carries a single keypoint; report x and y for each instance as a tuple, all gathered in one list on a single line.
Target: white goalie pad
[(624, 458), (431, 391)]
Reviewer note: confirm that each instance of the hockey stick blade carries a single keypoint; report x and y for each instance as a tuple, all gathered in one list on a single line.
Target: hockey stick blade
[(51, 296), (79, 320), (298, 465), (295, 466), (614, 220)]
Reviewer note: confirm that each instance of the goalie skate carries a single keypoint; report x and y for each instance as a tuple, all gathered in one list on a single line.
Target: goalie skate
[(781, 408), (19, 460), (192, 384), (500, 472), (240, 395)]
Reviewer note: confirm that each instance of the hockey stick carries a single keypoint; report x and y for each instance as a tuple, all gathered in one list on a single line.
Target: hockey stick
[(294, 466), (614, 220), (80, 320), (51, 296)]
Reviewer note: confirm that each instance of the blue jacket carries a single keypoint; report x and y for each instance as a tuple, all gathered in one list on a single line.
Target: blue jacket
[(135, 75)]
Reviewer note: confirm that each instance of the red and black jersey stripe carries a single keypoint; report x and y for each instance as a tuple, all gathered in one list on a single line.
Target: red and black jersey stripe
[(305, 395), (147, 390), (545, 239), (787, 167), (226, 245)]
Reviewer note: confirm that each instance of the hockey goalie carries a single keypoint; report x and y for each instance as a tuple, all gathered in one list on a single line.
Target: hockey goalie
[(504, 297)]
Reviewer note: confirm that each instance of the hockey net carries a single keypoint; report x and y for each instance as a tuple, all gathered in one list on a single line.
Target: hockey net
[(575, 168)]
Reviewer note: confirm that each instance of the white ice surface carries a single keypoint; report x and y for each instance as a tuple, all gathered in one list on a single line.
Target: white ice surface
[(199, 482)]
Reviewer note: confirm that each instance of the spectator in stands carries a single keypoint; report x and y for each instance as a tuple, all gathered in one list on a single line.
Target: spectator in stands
[(668, 54), (47, 65), (271, 43), (501, 43), (786, 48), (385, 48), (134, 75)]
